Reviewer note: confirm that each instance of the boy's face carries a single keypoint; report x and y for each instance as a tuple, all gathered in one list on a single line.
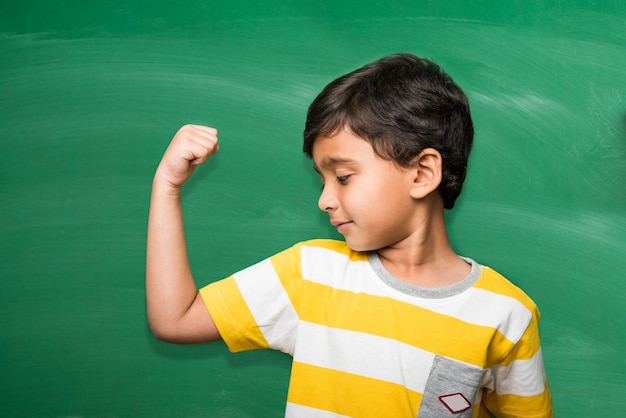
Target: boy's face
[(367, 198)]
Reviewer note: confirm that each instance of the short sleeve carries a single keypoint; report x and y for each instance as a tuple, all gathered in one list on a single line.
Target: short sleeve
[(253, 308), (520, 386)]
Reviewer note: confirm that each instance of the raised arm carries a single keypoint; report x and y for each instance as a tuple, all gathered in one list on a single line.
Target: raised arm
[(176, 313)]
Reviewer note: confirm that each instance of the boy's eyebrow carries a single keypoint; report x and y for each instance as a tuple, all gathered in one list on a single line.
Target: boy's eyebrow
[(332, 162)]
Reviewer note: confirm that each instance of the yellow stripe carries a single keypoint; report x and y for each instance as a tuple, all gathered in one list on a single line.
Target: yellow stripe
[(349, 394), (492, 281), (233, 319), (529, 342), (539, 406), (288, 264), (527, 347), (429, 331), (481, 411), (288, 268)]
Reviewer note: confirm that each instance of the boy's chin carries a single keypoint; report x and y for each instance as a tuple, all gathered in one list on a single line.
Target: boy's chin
[(360, 246)]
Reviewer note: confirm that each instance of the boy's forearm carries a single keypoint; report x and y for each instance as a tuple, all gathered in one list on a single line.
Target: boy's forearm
[(170, 288)]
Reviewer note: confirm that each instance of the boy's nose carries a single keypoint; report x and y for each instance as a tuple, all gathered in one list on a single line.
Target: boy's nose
[(327, 201)]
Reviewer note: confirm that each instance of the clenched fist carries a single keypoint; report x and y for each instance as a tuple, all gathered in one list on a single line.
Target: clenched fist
[(190, 147)]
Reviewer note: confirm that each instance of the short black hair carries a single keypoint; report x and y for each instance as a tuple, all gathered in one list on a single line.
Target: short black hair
[(401, 104)]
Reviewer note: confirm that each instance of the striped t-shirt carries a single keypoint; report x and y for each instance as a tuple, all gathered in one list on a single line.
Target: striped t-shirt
[(366, 344)]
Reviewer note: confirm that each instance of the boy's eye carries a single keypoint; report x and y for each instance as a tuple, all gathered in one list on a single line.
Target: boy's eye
[(342, 179)]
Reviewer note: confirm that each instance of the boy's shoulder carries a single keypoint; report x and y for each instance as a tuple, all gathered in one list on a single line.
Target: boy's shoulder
[(320, 250), (492, 281), (333, 246)]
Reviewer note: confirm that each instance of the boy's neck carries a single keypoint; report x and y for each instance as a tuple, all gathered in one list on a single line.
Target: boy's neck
[(426, 258)]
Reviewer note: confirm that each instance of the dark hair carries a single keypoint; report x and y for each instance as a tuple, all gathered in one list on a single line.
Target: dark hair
[(401, 105)]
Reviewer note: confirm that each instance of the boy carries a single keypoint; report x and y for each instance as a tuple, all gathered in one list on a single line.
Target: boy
[(391, 322)]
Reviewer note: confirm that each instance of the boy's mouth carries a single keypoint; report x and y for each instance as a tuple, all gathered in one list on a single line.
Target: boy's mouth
[(342, 225)]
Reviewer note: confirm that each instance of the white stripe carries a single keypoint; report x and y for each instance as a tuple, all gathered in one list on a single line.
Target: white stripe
[(482, 307), (298, 411), (338, 271), (475, 306), (269, 304), (363, 354), (521, 377)]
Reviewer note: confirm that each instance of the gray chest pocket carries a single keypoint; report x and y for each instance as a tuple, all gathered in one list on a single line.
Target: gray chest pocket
[(450, 389)]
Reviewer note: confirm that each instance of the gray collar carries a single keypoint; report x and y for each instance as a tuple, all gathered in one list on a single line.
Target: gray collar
[(425, 292)]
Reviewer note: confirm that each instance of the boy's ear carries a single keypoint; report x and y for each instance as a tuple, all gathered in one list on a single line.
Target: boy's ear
[(427, 173)]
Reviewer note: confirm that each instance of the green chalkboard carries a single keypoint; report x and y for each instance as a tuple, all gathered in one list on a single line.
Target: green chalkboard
[(91, 93)]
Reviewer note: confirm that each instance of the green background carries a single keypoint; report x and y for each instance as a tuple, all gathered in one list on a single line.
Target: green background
[(91, 94)]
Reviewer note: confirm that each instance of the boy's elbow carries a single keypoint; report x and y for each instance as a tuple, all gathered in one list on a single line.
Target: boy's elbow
[(193, 326), (159, 333), (168, 335), (177, 333), (161, 330)]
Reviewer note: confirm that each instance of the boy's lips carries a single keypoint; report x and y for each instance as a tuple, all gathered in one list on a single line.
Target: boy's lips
[(340, 225)]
